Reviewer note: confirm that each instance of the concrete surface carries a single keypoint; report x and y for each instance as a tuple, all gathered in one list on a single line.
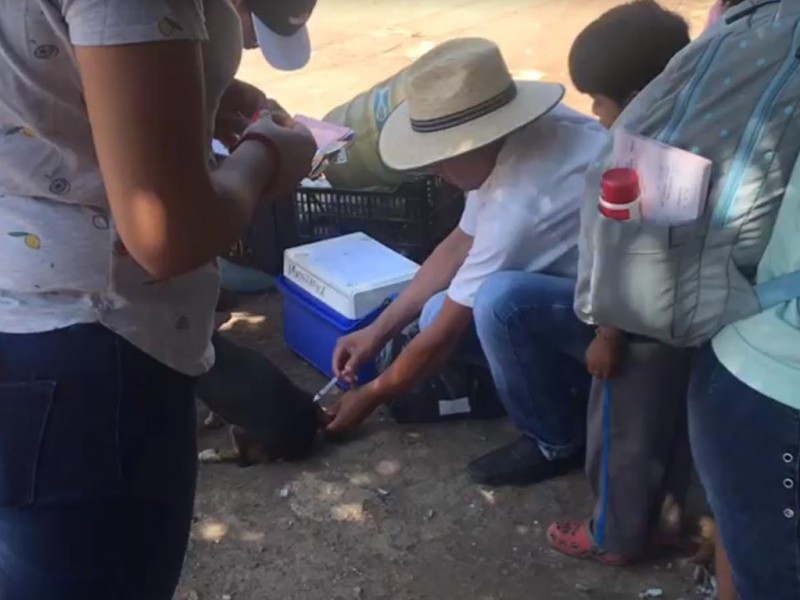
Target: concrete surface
[(392, 516)]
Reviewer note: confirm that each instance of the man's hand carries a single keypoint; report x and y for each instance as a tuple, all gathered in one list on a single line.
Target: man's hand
[(353, 351), (352, 410), (426, 353), (604, 353)]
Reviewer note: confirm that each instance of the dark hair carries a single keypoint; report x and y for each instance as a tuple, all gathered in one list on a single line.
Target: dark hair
[(729, 3), (626, 48)]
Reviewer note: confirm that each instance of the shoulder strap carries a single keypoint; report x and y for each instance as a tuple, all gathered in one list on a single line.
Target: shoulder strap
[(779, 290), (787, 9), (785, 287), (745, 9)]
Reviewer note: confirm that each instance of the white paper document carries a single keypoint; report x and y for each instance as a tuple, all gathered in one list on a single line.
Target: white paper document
[(674, 182)]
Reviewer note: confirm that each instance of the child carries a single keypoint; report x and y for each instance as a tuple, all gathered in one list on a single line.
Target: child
[(647, 464)]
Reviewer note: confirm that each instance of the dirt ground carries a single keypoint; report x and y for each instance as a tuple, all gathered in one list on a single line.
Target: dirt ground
[(392, 514), (358, 43)]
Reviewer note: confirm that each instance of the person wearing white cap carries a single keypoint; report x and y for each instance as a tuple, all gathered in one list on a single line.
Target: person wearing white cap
[(279, 29), (510, 264)]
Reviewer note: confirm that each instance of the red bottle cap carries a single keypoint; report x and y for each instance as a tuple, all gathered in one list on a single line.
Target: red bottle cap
[(620, 186)]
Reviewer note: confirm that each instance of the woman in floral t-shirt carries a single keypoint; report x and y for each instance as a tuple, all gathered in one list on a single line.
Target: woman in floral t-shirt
[(110, 219)]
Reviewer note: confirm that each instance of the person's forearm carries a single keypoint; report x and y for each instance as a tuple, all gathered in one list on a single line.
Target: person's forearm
[(240, 181), (434, 275), (220, 216), (146, 108)]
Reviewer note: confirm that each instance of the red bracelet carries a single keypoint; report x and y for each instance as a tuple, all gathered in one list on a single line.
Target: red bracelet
[(269, 143)]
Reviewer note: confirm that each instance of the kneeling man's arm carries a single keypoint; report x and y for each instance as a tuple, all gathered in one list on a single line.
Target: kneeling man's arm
[(434, 275), (493, 249), (426, 353)]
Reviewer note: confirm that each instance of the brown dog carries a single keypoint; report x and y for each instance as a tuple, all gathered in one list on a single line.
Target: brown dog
[(270, 417)]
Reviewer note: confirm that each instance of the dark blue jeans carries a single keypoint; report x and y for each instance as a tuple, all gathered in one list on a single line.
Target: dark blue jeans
[(97, 468), (747, 450), (535, 347)]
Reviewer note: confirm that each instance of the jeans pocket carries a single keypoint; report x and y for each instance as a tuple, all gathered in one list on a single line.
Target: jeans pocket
[(24, 411)]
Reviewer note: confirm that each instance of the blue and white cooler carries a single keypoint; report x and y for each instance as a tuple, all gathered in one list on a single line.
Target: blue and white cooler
[(335, 287)]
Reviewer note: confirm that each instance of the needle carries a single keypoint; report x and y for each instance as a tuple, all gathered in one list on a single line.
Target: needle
[(324, 391)]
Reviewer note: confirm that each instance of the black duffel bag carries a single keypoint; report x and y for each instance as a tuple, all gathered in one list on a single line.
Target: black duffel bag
[(460, 390)]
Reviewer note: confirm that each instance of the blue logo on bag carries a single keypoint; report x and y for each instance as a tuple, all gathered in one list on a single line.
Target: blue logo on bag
[(381, 106)]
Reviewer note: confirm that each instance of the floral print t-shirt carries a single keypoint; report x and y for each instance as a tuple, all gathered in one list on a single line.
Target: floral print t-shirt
[(62, 260)]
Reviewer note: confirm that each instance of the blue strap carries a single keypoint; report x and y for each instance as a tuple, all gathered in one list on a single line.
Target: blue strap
[(779, 290), (746, 10), (600, 525)]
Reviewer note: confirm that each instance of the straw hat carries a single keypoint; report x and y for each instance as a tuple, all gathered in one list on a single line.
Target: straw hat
[(460, 96)]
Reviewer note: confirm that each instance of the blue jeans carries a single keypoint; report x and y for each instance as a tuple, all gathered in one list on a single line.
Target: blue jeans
[(747, 450), (97, 468), (527, 332)]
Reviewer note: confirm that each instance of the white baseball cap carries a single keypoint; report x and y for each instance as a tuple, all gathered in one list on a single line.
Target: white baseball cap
[(281, 31)]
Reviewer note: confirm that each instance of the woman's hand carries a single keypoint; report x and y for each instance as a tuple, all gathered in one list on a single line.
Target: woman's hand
[(296, 149)]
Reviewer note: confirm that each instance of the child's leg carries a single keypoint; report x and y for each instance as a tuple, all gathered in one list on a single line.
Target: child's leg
[(647, 409)]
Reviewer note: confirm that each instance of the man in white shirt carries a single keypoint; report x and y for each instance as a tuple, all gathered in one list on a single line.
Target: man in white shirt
[(509, 265)]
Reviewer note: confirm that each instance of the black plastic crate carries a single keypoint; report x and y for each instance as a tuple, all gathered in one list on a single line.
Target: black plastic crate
[(270, 233), (412, 219)]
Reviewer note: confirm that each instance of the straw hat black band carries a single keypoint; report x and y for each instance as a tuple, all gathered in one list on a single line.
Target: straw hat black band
[(465, 116), (446, 112)]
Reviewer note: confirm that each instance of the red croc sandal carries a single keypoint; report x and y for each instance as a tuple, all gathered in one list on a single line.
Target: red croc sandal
[(574, 539)]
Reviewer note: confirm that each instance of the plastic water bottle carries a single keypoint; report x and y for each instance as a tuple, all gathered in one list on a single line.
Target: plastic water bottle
[(620, 195)]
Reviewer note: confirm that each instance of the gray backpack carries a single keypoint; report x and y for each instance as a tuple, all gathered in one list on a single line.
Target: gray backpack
[(732, 96)]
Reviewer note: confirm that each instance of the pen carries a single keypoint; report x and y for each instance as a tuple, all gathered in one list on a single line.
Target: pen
[(324, 391)]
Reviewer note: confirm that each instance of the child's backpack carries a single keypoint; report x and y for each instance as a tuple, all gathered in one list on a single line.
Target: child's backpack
[(732, 96)]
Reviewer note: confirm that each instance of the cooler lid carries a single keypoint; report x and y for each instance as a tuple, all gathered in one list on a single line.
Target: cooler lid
[(353, 263)]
